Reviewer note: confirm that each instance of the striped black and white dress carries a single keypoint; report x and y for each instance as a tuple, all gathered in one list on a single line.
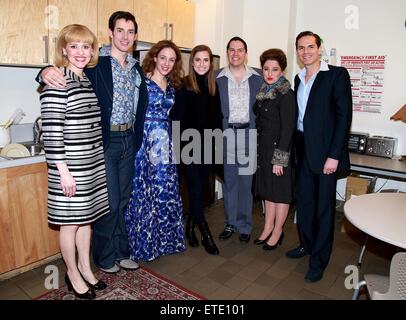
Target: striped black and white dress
[(71, 126)]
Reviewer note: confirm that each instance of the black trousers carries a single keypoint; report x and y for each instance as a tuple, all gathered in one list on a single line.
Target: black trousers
[(110, 239), (315, 196), (197, 178)]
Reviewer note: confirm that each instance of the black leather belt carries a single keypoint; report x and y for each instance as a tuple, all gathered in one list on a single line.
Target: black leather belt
[(239, 125)]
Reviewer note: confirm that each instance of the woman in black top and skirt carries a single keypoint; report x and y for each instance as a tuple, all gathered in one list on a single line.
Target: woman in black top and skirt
[(275, 111), (198, 107)]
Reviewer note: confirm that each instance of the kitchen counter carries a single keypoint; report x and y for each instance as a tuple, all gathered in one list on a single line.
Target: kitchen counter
[(383, 167), (6, 163)]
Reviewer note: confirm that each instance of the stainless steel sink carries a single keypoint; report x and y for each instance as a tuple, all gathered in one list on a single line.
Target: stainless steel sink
[(34, 148)]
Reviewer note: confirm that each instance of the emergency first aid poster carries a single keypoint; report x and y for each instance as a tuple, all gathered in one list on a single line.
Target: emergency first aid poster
[(367, 81)]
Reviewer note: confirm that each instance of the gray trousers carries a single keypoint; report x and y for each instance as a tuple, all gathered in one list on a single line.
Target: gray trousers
[(239, 166)]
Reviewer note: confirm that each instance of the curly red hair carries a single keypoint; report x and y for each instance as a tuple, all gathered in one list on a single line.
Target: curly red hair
[(148, 64)]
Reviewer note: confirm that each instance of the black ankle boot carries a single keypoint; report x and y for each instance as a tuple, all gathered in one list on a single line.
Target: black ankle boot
[(190, 233), (207, 239)]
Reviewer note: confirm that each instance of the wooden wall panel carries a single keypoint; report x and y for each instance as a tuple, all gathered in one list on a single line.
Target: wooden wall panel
[(151, 16), (22, 28), (7, 257), (104, 10), (66, 12), (33, 238)]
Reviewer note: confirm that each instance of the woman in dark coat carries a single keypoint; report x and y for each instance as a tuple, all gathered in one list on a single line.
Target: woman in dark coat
[(275, 111), (198, 108)]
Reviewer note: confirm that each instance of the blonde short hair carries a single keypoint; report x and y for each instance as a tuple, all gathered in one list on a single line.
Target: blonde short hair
[(75, 33)]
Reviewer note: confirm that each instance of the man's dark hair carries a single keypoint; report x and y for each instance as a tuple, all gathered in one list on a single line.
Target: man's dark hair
[(311, 34), (237, 39), (122, 15)]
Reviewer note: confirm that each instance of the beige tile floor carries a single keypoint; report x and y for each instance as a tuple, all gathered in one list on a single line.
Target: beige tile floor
[(244, 271)]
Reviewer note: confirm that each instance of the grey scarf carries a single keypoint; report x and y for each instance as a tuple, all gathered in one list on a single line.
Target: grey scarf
[(270, 91)]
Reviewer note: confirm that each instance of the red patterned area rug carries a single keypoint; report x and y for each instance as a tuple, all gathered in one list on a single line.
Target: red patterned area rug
[(142, 284)]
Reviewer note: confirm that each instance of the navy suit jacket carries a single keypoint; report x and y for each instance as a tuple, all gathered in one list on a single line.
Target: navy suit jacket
[(327, 119), (101, 78)]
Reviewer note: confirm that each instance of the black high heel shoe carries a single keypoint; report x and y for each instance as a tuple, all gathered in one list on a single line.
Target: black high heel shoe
[(99, 285), (88, 295), (269, 247), (258, 241)]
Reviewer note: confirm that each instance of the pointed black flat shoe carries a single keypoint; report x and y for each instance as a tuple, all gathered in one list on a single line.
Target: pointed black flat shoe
[(88, 295), (273, 247)]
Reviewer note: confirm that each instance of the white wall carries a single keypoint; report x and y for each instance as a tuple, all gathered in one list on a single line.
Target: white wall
[(19, 90), (209, 24), (216, 22), (263, 24), (381, 31)]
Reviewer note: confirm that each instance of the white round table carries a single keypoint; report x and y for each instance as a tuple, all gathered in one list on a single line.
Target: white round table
[(380, 215)]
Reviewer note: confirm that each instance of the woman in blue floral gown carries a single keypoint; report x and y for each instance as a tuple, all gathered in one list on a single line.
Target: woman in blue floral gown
[(154, 218)]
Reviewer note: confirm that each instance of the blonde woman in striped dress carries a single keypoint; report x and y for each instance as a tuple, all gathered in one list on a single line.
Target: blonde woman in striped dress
[(77, 191)]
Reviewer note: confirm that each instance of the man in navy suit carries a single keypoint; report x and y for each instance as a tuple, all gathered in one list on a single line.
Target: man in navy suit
[(324, 101), (119, 84)]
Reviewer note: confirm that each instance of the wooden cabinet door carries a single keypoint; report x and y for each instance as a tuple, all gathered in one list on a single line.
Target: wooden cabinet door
[(105, 8), (27, 193), (151, 16), (7, 259), (181, 19), (64, 12), (23, 32)]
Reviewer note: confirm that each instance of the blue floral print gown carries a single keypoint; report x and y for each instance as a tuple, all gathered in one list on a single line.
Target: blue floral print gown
[(154, 217)]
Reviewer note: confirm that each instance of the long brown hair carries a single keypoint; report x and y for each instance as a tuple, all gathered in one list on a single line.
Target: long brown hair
[(191, 82), (148, 64)]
